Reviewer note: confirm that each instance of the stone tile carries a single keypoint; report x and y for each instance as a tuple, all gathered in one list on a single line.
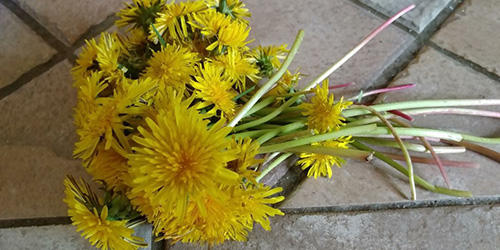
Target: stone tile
[(69, 19), (22, 49), (469, 33), (426, 228), (418, 18), (36, 144), (60, 237), (332, 28), (31, 182), (41, 113), (436, 76)]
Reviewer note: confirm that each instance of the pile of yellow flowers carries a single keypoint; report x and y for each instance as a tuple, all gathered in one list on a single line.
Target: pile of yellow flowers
[(176, 127)]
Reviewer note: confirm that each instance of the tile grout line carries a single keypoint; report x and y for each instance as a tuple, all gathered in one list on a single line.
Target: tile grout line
[(464, 61), (36, 27), (31, 74), (425, 36), (377, 207), (66, 53)]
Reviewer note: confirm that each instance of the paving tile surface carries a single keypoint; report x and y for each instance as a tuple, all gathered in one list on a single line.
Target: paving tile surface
[(418, 18), (426, 228), (61, 237), (21, 49), (436, 76), (41, 112), (471, 32), (69, 19), (36, 144)]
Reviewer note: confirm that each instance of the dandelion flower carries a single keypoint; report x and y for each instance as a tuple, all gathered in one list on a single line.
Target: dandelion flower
[(215, 89), (247, 150), (92, 220), (109, 50), (178, 158), (172, 22), (321, 164), (212, 222), (268, 58), (172, 66), (323, 114), (237, 68), (140, 13), (284, 86), (106, 122), (210, 22), (254, 201), (111, 168), (233, 8), (233, 35), (86, 62)]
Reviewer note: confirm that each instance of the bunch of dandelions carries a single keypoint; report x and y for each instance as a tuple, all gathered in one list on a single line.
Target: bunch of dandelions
[(179, 121)]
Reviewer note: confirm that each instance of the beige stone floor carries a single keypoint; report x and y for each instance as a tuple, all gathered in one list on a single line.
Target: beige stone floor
[(358, 208)]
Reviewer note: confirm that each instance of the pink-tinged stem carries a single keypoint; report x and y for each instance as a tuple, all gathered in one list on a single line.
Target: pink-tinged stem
[(355, 50), (383, 90), (437, 161), (454, 111), (424, 160), (402, 115), (341, 85)]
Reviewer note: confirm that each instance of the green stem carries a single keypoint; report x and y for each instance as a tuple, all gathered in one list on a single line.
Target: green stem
[(341, 152), (244, 93), (261, 105), (401, 145), (421, 182), (269, 84), (282, 130), (273, 164), (472, 138), (411, 146), (418, 132), (421, 104), (278, 147), (267, 117)]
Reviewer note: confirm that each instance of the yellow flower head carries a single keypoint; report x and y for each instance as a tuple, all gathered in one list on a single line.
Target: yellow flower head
[(106, 122), (233, 35), (172, 66), (172, 22), (210, 22), (212, 222), (233, 8), (268, 58), (254, 203), (283, 87), (228, 217), (247, 151), (179, 158), (86, 62), (321, 164), (140, 13), (109, 50), (237, 68), (215, 89), (92, 220), (111, 168), (323, 114)]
